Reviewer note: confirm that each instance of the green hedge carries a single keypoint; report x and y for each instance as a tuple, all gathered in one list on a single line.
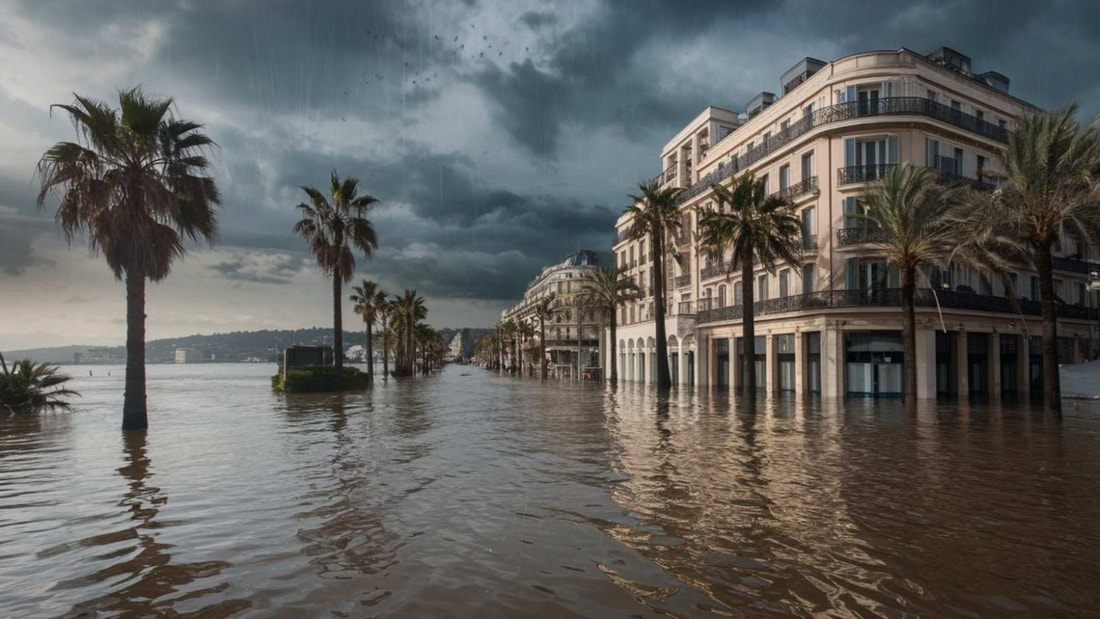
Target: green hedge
[(319, 378)]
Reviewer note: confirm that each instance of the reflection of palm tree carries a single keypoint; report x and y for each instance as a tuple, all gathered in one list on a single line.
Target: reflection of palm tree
[(153, 577)]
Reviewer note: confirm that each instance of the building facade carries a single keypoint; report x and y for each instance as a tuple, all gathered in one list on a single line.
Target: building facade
[(832, 324), (573, 331)]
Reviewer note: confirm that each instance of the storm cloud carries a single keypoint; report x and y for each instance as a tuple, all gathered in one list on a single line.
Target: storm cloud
[(498, 136)]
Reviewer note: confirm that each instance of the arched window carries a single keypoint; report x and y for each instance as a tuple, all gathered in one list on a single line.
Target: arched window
[(738, 297)]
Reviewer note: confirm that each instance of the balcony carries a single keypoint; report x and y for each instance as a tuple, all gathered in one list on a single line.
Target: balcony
[(684, 308), (863, 173), (1075, 265), (809, 242), (887, 106), (798, 189), (891, 298), (859, 235), (715, 270), (950, 178), (683, 281)]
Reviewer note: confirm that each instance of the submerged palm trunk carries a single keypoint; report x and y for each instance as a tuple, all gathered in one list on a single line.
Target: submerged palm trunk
[(909, 336), (385, 351), (370, 351), (542, 347), (1052, 386), (134, 412), (748, 335), (664, 381), (614, 350), (338, 330)]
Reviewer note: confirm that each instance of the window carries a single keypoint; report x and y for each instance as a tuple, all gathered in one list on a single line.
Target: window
[(784, 177), (722, 295), (783, 126), (738, 296), (784, 282), (958, 162), (932, 147), (1014, 281), (762, 288), (956, 106), (932, 95), (641, 252), (852, 210), (807, 165), (981, 166), (1034, 288), (764, 141), (871, 155), (764, 182), (1080, 297), (1058, 290), (980, 114), (1002, 123), (808, 110), (807, 278), (807, 224), (632, 256)]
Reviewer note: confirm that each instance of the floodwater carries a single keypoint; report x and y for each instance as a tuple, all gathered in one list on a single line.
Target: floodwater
[(470, 494)]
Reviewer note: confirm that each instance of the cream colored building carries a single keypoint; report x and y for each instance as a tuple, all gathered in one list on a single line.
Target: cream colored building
[(832, 324), (572, 326)]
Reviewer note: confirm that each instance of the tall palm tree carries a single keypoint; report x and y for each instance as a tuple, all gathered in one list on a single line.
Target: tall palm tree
[(545, 308), (335, 229), (383, 307), (654, 213), (136, 182), (1048, 188), (758, 226), (911, 211), (363, 296), (606, 289)]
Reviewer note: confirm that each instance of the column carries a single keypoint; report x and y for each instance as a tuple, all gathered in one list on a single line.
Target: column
[(995, 365), (734, 367), (962, 363), (926, 364), (771, 361), (799, 359), (702, 361), (1023, 360), (832, 362), (681, 365)]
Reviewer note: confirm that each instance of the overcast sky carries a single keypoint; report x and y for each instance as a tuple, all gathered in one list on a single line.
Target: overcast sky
[(499, 135)]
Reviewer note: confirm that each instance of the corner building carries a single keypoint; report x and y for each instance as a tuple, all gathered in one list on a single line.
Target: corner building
[(831, 325)]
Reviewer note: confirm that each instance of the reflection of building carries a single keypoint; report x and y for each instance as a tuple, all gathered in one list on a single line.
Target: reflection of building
[(572, 327), (187, 355), (831, 324)]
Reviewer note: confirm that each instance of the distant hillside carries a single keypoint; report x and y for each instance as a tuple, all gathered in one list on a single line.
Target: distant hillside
[(255, 346)]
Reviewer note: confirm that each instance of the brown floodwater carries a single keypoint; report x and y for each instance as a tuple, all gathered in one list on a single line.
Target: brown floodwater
[(470, 494)]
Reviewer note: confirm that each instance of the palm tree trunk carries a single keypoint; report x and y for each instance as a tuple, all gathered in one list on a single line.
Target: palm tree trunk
[(909, 336), (664, 381), (1052, 386), (338, 330), (614, 350), (385, 350), (748, 328), (542, 347), (134, 410), (370, 351)]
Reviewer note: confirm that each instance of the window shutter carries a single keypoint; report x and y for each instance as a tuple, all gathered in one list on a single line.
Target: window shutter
[(853, 273)]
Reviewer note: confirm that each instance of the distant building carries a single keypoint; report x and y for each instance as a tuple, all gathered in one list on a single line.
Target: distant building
[(456, 352), (572, 330), (187, 355)]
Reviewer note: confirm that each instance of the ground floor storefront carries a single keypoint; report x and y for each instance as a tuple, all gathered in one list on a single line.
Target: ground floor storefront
[(856, 355)]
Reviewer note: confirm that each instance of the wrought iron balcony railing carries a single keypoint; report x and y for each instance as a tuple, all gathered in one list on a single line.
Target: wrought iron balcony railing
[(714, 270), (863, 173), (683, 281), (891, 297), (860, 234), (887, 106), (802, 187), (1075, 265), (685, 308), (809, 242)]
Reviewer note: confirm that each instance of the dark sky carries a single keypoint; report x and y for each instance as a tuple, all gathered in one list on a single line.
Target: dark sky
[(499, 136)]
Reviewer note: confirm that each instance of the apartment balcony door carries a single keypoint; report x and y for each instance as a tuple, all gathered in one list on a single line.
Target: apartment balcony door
[(868, 101)]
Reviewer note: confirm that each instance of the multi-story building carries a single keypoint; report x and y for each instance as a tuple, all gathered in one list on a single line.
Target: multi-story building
[(832, 323), (573, 330)]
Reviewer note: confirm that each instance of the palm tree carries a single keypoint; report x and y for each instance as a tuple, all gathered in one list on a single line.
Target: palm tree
[(383, 308), (1048, 188), (408, 310), (653, 213), (910, 209), (545, 308), (363, 296), (606, 289), (27, 387), (525, 331), (756, 226), (334, 230), (136, 183)]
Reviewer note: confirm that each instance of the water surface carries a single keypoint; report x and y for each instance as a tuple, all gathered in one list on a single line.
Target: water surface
[(473, 494)]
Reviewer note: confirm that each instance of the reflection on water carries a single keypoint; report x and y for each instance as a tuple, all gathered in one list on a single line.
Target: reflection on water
[(470, 494)]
